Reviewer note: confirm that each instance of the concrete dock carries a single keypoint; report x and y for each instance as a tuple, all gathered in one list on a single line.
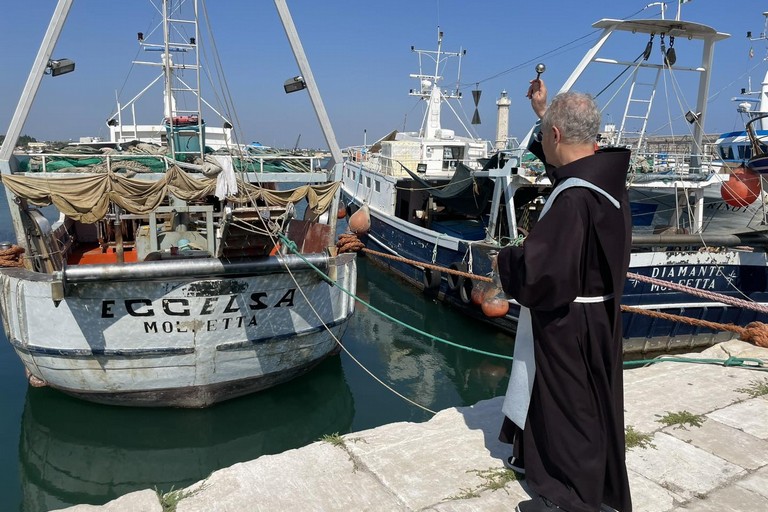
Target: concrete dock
[(703, 432)]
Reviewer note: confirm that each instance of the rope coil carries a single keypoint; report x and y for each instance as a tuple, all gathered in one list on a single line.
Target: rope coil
[(12, 257), (348, 242)]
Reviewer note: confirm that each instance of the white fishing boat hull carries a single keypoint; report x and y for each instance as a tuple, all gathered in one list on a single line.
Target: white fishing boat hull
[(172, 277), (183, 341)]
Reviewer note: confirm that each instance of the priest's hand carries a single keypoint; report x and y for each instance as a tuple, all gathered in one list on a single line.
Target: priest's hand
[(537, 93)]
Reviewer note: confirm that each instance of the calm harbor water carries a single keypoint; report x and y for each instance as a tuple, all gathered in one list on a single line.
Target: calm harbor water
[(57, 451)]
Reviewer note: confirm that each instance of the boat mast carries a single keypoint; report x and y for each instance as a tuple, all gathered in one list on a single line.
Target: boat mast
[(707, 35), (170, 103), (174, 26), (24, 105), (335, 165), (430, 90), (309, 80), (763, 105), (432, 118), (33, 83)]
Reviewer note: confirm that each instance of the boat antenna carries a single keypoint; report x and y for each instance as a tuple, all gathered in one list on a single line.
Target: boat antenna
[(439, 49), (296, 146), (762, 102), (679, 8), (663, 6)]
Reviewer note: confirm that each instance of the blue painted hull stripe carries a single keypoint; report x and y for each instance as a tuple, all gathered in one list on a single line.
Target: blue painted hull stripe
[(95, 352), (154, 352)]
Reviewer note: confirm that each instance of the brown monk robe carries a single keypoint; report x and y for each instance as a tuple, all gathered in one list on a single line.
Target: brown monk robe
[(573, 441)]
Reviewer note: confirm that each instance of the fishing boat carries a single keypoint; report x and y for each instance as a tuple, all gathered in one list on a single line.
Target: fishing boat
[(170, 275), (735, 147), (438, 228)]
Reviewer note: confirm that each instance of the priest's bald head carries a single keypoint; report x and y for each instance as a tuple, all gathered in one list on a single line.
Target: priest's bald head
[(569, 128)]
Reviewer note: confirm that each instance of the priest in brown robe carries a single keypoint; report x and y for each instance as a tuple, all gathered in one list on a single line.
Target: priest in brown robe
[(564, 409)]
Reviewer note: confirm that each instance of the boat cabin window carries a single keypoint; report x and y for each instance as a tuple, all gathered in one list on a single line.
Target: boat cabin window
[(360, 178), (744, 152), (452, 155), (377, 185), (368, 181)]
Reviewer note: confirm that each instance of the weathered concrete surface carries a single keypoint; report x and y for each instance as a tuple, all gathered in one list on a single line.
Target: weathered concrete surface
[(139, 501), (449, 463)]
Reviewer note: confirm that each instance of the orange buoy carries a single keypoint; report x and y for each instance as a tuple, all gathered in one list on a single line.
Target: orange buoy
[(495, 307), (742, 187), (342, 211), (360, 221)]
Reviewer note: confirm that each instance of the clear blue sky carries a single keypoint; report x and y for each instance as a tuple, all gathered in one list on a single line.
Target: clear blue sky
[(360, 54)]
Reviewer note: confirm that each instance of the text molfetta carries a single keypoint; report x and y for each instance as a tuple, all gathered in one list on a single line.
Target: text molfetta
[(703, 277)]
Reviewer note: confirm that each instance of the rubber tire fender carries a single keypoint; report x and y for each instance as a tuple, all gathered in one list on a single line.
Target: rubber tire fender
[(431, 280), (454, 281), (465, 290)]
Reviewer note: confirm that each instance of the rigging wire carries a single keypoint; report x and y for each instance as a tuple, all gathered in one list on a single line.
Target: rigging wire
[(749, 363), (537, 58)]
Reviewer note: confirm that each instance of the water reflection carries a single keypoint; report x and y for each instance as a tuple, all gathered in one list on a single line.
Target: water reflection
[(72, 452), (430, 372)]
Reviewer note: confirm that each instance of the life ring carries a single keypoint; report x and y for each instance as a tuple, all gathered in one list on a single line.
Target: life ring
[(465, 290), (454, 281), (431, 279)]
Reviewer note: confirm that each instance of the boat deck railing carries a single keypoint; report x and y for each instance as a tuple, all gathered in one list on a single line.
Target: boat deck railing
[(394, 166), (146, 163), (678, 163)]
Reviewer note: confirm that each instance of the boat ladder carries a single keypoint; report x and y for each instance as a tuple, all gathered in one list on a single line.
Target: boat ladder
[(638, 108)]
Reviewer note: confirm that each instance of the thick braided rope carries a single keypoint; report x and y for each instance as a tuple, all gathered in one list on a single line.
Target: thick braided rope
[(755, 332), (439, 268), (12, 257), (347, 237)]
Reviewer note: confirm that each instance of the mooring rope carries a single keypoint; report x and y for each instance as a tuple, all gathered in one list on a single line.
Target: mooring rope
[(349, 242), (755, 332), (740, 362), (292, 247)]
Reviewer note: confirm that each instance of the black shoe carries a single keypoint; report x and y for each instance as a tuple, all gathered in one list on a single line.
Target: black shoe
[(537, 504), (514, 464)]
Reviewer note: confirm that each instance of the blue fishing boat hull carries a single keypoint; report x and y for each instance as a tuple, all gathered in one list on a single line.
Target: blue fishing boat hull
[(733, 273)]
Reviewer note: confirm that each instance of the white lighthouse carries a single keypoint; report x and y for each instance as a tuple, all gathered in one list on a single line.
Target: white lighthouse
[(502, 123)]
